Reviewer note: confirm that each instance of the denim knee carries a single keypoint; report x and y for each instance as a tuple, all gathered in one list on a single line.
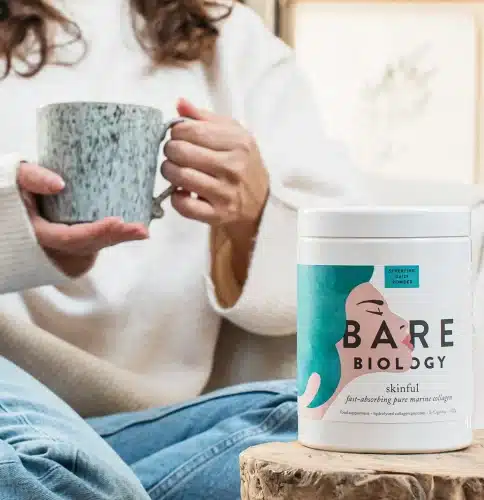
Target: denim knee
[(45, 469)]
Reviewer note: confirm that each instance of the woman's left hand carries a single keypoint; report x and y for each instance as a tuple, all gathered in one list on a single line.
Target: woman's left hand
[(218, 160)]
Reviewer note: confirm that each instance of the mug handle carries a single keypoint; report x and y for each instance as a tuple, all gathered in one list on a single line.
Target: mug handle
[(157, 211)]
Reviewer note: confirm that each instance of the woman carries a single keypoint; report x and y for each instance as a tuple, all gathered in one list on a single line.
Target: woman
[(135, 325), (350, 298)]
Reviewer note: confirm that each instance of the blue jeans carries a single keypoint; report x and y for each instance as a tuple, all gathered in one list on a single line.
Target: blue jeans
[(188, 451), (191, 451), (47, 452)]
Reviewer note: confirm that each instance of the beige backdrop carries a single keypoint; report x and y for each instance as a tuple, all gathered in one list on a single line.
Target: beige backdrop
[(475, 7), (266, 9)]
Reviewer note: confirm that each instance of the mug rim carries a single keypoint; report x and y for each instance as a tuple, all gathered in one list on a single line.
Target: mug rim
[(101, 103)]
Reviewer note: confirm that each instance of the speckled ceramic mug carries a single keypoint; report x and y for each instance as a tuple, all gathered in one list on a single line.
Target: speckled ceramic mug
[(107, 154)]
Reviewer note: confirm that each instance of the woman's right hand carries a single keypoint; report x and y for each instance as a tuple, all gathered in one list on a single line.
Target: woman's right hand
[(72, 248)]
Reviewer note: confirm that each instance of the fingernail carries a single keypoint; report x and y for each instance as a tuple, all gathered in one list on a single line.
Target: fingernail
[(57, 183)]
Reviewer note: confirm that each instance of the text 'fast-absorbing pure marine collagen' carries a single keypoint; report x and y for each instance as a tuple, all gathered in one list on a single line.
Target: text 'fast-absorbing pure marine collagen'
[(385, 329)]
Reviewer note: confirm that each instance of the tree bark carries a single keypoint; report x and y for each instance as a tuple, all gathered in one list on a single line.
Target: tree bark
[(289, 471)]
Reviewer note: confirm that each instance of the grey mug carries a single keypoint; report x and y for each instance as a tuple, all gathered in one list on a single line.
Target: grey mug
[(107, 154)]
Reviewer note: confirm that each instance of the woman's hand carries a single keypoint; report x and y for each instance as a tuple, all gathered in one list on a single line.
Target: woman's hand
[(218, 160), (72, 248)]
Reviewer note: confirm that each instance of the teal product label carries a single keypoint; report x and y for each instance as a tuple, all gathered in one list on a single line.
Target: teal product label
[(324, 295), (374, 343), (402, 277)]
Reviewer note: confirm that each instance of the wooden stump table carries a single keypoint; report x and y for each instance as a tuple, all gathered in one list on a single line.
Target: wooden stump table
[(289, 471)]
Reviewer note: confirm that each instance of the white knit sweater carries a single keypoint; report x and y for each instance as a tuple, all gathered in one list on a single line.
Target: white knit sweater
[(147, 312), (141, 328)]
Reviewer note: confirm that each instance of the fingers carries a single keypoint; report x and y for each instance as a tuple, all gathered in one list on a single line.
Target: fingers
[(194, 181), (29, 202), (80, 239), (193, 208), (186, 154), (38, 180), (86, 239), (216, 158), (189, 110), (211, 135)]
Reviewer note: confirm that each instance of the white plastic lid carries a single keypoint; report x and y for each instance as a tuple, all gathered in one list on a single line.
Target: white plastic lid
[(385, 222)]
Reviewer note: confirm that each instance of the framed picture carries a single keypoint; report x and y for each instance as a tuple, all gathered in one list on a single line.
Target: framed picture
[(396, 82)]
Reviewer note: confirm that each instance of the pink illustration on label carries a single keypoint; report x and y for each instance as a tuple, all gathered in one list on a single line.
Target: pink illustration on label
[(376, 340)]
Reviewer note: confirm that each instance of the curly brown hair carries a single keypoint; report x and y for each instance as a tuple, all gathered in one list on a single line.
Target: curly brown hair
[(169, 31)]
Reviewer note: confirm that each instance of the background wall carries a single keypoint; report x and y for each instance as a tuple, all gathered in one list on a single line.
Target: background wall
[(413, 54), (268, 10)]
